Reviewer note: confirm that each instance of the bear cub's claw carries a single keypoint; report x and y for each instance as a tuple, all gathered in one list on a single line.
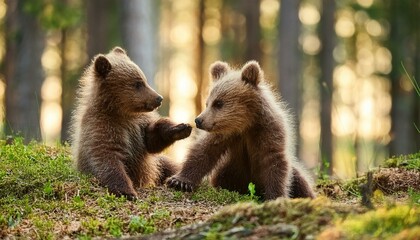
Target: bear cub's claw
[(180, 131), (180, 185), (131, 197)]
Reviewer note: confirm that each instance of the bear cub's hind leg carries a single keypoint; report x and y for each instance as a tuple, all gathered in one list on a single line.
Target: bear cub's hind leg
[(233, 176), (167, 168), (300, 187), (112, 174)]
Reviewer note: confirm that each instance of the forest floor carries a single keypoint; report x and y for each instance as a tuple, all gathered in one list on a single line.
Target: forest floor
[(42, 196)]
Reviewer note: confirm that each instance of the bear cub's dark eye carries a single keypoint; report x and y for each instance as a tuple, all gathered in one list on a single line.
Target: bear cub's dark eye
[(217, 104), (138, 85)]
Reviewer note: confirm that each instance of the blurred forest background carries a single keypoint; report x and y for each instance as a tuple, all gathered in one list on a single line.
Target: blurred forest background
[(346, 68)]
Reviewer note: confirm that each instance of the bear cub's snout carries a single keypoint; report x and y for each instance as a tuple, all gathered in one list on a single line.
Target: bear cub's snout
[(199, 122), (159, 100)]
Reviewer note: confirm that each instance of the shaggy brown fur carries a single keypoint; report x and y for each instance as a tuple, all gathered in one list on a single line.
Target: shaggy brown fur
[(248, 138), (116, 132)]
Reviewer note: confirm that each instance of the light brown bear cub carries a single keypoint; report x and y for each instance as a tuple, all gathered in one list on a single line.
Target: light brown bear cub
[(248, 138), (116, 132)]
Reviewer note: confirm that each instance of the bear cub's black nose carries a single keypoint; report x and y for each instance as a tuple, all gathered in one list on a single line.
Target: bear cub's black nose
[(159, 99), (198, 122)]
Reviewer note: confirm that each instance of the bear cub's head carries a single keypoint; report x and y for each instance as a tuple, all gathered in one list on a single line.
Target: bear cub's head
[(233, 102), (122, 84)]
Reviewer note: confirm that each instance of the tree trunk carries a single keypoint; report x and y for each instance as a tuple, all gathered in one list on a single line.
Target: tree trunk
[(200, 58), (25, 42), (402, 128), (415, 8), (232, 46), (417, 79), (138, 33), (289, 58), (253, 30), (98, 24), (327, 63), (68, 86)]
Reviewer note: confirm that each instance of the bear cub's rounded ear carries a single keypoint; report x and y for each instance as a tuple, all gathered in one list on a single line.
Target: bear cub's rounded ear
[(119, 50), (218, 69), (102, 65), (252, 73)]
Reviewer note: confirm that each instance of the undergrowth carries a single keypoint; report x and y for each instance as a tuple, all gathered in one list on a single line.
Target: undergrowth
[(35, 170), (410, 161), (42, 196), (305, 219)]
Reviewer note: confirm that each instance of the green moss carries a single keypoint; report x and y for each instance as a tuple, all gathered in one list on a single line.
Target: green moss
[(114, 226), (35, 170), (219, 196), (44, 227), (414, 196), (410, 161), (177, 195), (308, 217), (110, 201), (140, 224), (161, 214), (43, 196), (143, 205), (153, 198), (91, 226), (382, 223)]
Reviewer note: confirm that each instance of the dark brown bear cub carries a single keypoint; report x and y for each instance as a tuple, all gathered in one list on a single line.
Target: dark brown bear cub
[(116, 132), (248, 138)]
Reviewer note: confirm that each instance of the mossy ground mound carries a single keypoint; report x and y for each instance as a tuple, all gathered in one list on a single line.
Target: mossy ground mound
[(282, 218), (303, 219), (42, 196), (391, 222)]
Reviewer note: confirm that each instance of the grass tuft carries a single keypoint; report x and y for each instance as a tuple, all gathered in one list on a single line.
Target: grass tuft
[(219, 196), (35, 170)]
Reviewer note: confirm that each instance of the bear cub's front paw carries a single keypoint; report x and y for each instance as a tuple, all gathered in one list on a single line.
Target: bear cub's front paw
[(180, 184), (130, 195), (180, 131)]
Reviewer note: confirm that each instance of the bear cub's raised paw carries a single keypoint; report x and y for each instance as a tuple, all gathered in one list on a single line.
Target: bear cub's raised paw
[(180, 131), (180, 184), (169, 131)]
